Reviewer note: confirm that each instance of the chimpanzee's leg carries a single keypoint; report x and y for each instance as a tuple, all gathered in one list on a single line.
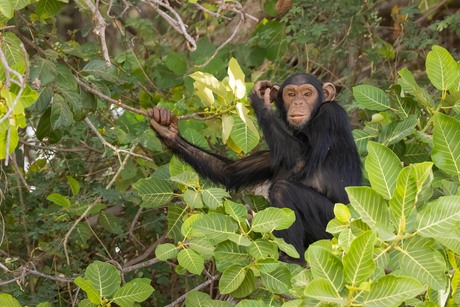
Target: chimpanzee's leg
[(313, 211)]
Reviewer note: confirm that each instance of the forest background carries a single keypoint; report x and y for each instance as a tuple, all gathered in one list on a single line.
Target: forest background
[(95, 211)]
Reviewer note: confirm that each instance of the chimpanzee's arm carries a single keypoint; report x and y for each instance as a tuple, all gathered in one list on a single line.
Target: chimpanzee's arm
[(284, 147), (232, 174)]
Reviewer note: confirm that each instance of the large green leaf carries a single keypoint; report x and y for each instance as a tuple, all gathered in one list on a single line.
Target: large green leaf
[(89, 288), (134, 291), (154, 192), (11, 47), (446, 140), (191, 261), (48, 8), (214, 226), (392, 291), (273, 219), (236, 210), (408, 83), (166, 251), (409, 185), (383, 167), (99, 69), (214, 197), (440, 217), (261, 249), (371, 206), (231, 279), (323, 290), (326, 265), (371, 97), (104, 276), (8, 301), (441, 68), (61, 115), (277, 281), (358, 263), (426, 265), (202, 246), (397, 130), (247, 286)]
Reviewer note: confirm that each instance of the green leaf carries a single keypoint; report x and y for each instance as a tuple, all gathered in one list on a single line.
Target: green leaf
[(325, 265), (89, 288), (74, 185), (239, 239), (424, 264), (371, 207), (59, 200), (176, 62), (7, 300), (278, 281), (243, 136), (99, 69), (187, 178), (202, 246), (236, 210), (6, 8), (342, 213), (383, 167), (215, 226), (273, 219), (441, 68), (11, 47), (247, 286), (289, 249), (236, 79), (409, 185), (371, 97), (243, 113), (61, 116), (48, 8), (231, 279), (166, 251), (358, 263), (231, 252), (392, 291), (104, 276), (440, 217), (195, 138), (154, 192), (322, 290), (134, 291), (407, 81), (193, 199), (261, 249), (398, 130), (214, 197), (446, 137), (175, 221), (191, 261)]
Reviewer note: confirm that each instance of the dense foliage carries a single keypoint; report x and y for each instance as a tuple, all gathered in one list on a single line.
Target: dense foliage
[(94, 210)]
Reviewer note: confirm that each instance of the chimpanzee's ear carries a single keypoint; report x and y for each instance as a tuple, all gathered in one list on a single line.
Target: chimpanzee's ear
[(329, 91), (274, 93)]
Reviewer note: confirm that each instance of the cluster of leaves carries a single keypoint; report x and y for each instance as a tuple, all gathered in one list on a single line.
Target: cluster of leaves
[(396, 240)]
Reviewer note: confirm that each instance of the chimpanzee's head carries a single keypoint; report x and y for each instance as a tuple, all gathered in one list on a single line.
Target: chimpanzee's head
[(300, 96)]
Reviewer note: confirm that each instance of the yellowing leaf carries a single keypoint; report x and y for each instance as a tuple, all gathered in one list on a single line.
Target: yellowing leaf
[(236, 80)]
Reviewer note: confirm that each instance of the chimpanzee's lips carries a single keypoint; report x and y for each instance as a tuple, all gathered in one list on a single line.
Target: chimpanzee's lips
[(297, 117)]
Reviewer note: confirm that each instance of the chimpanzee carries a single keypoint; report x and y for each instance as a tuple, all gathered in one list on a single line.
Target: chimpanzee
[(312, 156)]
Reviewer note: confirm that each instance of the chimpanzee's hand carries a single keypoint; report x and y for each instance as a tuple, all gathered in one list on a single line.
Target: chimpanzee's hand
[(264, 91), (164, 123)]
